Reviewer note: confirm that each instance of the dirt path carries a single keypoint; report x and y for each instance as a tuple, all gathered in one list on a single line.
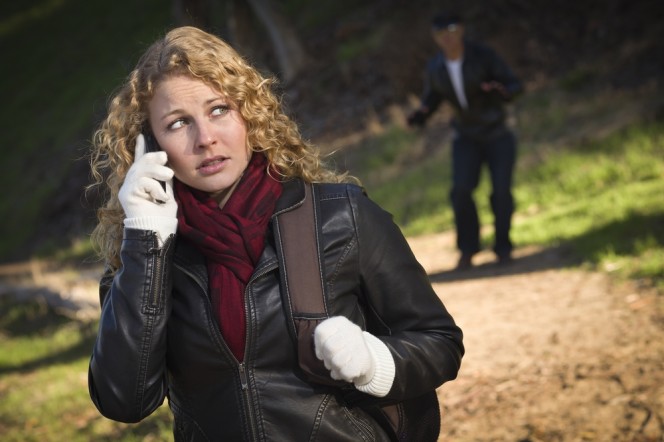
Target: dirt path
[(552, 354)]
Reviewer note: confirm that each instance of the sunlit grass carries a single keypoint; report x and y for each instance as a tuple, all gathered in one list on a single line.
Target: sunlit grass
[(604, 199), (43, 381)]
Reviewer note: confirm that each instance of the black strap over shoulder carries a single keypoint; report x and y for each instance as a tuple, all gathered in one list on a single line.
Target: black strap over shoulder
[(415, 420)]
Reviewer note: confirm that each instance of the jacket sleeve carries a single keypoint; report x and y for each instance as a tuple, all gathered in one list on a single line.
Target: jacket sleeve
[(501, 72), (127, 373), (407, 315), (431, 96)]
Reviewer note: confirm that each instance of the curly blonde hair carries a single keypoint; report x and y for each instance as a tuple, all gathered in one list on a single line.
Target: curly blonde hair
[(192, 52)]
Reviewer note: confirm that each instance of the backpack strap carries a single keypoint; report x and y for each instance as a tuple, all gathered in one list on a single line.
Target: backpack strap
[(417, 419), (299, 242), (299, 237)]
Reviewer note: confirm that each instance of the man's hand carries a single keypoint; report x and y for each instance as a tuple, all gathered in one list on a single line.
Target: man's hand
[(491, 86)]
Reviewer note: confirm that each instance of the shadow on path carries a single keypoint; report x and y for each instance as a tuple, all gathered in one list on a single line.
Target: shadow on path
[(546, 259), (625, 237)]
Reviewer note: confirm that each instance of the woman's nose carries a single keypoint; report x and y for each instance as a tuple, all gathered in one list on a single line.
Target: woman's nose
[(204, 136)]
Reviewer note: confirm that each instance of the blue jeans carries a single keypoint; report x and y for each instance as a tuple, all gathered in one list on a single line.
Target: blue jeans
[(468, 156)]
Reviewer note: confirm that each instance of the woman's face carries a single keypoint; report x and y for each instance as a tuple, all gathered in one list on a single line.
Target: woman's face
[(204, 137)]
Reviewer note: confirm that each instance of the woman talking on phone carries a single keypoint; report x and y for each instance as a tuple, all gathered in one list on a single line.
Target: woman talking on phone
[(198, 159)]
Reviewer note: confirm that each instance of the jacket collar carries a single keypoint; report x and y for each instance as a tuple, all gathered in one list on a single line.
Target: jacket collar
[(292, 196)]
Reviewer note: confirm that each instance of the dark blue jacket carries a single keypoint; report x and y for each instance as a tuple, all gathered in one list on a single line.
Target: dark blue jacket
[(485, 116)]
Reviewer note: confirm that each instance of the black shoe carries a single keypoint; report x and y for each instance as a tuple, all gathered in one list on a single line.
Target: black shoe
[(505, 258), (465, 262)]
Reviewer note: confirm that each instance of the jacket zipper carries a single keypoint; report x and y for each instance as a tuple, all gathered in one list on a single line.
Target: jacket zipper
[(243, 377), (241, 366), (246, 393), (158, 274), (156, 287)]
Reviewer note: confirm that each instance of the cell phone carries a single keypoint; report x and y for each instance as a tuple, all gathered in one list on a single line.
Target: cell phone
[(151, 144)]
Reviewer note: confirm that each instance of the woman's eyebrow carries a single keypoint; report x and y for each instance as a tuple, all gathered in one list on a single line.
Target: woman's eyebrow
[(206, 102)]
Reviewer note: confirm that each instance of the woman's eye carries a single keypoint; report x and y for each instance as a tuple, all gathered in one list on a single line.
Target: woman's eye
[(220, 110), (176, 124)]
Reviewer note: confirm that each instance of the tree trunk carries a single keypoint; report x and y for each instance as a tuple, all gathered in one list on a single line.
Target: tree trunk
[(289, 52)]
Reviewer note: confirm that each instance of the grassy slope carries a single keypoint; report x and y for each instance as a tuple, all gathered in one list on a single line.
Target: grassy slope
[(43, 381), (59, 68)]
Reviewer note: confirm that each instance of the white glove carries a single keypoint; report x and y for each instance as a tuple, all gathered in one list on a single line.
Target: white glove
[(147, 205), (354, 356)]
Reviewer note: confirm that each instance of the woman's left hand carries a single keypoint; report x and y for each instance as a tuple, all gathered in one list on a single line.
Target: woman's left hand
[(354, 356)]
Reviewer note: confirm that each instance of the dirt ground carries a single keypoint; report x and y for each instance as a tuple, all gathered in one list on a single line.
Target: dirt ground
[(552, 353)]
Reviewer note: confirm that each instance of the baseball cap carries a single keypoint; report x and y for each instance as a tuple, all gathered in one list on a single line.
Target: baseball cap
[(445, 20)]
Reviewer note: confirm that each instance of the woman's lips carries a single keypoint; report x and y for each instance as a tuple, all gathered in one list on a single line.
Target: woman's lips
[(212, 166)]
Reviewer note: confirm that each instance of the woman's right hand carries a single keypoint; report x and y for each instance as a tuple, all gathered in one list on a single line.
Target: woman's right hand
[(148, 204)]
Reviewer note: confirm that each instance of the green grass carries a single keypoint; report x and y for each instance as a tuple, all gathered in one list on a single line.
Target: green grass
[(43, 381), (604, 199), (63, 67)]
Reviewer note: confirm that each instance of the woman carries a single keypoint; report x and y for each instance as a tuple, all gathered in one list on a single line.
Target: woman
[(191, 300)]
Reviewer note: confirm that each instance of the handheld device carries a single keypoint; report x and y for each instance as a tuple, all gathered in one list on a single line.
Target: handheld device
[(150, 142), (151, 145)]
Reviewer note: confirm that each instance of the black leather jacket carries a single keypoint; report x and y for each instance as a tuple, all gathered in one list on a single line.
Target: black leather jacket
[(485, 116), (159, 338)]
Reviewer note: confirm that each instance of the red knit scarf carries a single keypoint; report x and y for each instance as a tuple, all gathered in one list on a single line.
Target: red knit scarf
[(232, 239)]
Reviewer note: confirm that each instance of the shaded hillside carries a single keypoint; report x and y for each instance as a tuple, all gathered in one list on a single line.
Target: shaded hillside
[(366, 60), (614, 45)]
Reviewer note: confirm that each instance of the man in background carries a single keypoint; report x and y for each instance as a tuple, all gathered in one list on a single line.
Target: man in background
[(477, 83)]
